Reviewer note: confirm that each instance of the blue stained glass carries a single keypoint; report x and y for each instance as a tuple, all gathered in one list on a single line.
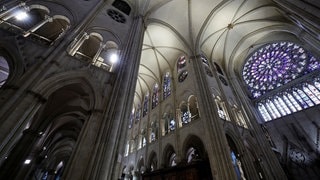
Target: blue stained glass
[(305, 97), (276, 64), (289, 103), (301, 101), (166, 85), (264, 112)]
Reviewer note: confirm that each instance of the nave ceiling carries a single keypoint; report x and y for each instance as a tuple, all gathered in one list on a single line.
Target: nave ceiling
[(225, 31)]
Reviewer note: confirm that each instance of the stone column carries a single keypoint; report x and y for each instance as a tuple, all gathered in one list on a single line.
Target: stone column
[(15, 166), (121, 102), (17, 122), (107, 134), (267, 160), (218, 151)]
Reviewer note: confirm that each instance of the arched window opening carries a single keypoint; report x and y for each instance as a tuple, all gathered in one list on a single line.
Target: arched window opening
[(142, 138), (34, 21), (155, 95), (278, 65), (193, 107), (87, 46), (294, 99), (185, 114), (169, 123), (206, 66), (144, 141), (192, 155), (182, 76), (138, 114), (219, 70), (107, 56), (166, 85), (222, 110), (181, 64), (153, 132), (122, 6), (52, 28), (239, 117), (172, 160), (91, 48), (169, 156), (145, 105), (4, 71)]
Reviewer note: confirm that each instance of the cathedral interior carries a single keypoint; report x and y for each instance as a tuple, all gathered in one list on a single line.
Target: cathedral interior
[(160, 89)]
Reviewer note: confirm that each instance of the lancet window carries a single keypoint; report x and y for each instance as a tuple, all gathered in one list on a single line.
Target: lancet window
[(287, 65)]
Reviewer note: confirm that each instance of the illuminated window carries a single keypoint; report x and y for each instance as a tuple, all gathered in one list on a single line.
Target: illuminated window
[(145, 105), (182, 62), (278, 64), (138, 114), (131, 118), (166, 85), (4, 71), (185, 114), (155, 96)]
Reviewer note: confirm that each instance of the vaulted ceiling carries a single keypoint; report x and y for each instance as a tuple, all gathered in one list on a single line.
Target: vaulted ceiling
[(224, 31)]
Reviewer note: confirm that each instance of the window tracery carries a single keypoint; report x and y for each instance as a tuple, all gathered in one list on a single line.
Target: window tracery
[(278, 64), (294, 99), (193, 107), (166, 85), (169, 123), (182, 76)]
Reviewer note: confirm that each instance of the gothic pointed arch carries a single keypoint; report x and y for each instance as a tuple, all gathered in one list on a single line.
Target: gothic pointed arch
[(169, 156), (193, 149), (152, 161), (236, 154)]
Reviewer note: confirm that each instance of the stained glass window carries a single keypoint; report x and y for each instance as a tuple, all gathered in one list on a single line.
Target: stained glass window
[(145, 105), (276, 64), (182, 62), (155, 95), (138, 114), (294, 99), (185, 114), (182, 76), (264, 112), (131, 118), (166, 85)]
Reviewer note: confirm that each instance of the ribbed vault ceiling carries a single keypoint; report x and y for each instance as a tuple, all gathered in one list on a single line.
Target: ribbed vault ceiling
[(222, 30)]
